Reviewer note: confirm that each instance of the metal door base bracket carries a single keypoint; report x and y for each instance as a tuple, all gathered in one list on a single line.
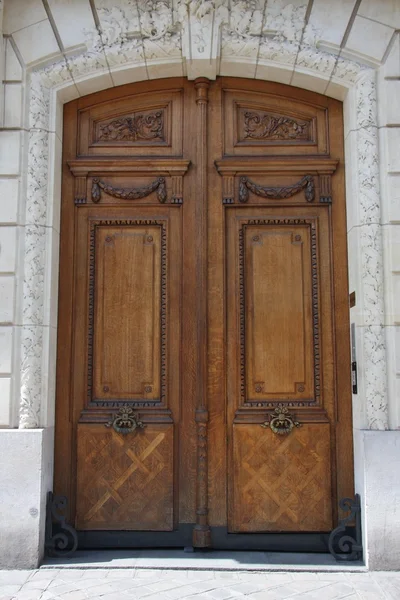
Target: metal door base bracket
[(61, 538), (345, 542)]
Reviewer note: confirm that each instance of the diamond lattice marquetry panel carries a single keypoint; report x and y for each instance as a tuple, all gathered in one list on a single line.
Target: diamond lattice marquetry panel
[(125, 481), (281, 482)]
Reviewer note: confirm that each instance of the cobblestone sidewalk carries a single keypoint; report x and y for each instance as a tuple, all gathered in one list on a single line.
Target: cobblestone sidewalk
[(125, 584)]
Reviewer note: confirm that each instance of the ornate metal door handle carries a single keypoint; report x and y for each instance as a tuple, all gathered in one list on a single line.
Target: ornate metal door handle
[(125, 421), (281, 421)]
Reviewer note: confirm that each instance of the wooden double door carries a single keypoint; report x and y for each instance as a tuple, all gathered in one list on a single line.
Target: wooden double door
[(203, 385)]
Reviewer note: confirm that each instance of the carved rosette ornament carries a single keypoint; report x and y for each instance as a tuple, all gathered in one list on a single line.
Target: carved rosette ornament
[(277, 193), (281, 421)]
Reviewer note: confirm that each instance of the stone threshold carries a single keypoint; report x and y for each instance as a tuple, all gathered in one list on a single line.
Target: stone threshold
[(179, 560)]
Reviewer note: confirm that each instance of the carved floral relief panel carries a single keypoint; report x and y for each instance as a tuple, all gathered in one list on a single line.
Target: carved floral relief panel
[(270, 124), (266, 126), (136, 125)]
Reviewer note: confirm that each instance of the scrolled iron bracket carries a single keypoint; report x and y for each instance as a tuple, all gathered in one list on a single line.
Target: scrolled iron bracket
[(281, 422), (277, 193), (132, 193), (125, 421), (345, 543), (61, 539)]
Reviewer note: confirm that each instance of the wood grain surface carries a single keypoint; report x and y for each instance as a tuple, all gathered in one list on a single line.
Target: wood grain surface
[(203, 282)]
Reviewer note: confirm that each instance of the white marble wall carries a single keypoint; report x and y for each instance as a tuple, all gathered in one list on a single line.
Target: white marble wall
[(11, 137), (389, 131), (26, 471)]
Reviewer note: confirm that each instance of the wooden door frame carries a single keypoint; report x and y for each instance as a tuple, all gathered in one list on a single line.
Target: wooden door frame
[(344, 458)]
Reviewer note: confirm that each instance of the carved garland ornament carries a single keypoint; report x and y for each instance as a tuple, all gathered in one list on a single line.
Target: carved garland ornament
[(129, 194), (265, 126), (277, 193)]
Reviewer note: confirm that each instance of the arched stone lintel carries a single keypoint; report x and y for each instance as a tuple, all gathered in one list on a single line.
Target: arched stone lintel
[(52, 86)]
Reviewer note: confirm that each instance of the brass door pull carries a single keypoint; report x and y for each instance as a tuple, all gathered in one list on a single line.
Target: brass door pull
[(281, 421), (125, 421)]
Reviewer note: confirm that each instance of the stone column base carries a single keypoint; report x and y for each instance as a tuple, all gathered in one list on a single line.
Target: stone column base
[(26, 475), (377, 480)]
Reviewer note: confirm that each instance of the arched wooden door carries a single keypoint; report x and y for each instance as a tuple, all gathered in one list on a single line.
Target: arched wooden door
[(203, 385)]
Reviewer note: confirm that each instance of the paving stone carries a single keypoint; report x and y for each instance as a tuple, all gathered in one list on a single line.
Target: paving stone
[(167, 584), (47, 574), (157, 596), (223, 593), (115, 596), (152, 573), (37, 584), (142, 592), (305, 576), (126, 584), (121, 574), (332, 576), (198, 597), (13, 577), (95, 573), (94, 591), (192, 589), (76, 595), (9, 589), (391, 586), (27, 595), (370, 590), (332, 592), (58, 587), (280, 593), (70, 575), (247, 587), (267, 579), (309, 586), (200, 575)]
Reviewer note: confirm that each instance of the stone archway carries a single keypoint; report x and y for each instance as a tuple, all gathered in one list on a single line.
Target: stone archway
[(53, 85)]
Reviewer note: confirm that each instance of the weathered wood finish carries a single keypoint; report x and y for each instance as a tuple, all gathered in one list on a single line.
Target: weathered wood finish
[(203, 283)]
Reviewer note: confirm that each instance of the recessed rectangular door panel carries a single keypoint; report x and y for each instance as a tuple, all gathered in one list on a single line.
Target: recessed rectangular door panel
[(279, 370), (127, 327), (275, 266)]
